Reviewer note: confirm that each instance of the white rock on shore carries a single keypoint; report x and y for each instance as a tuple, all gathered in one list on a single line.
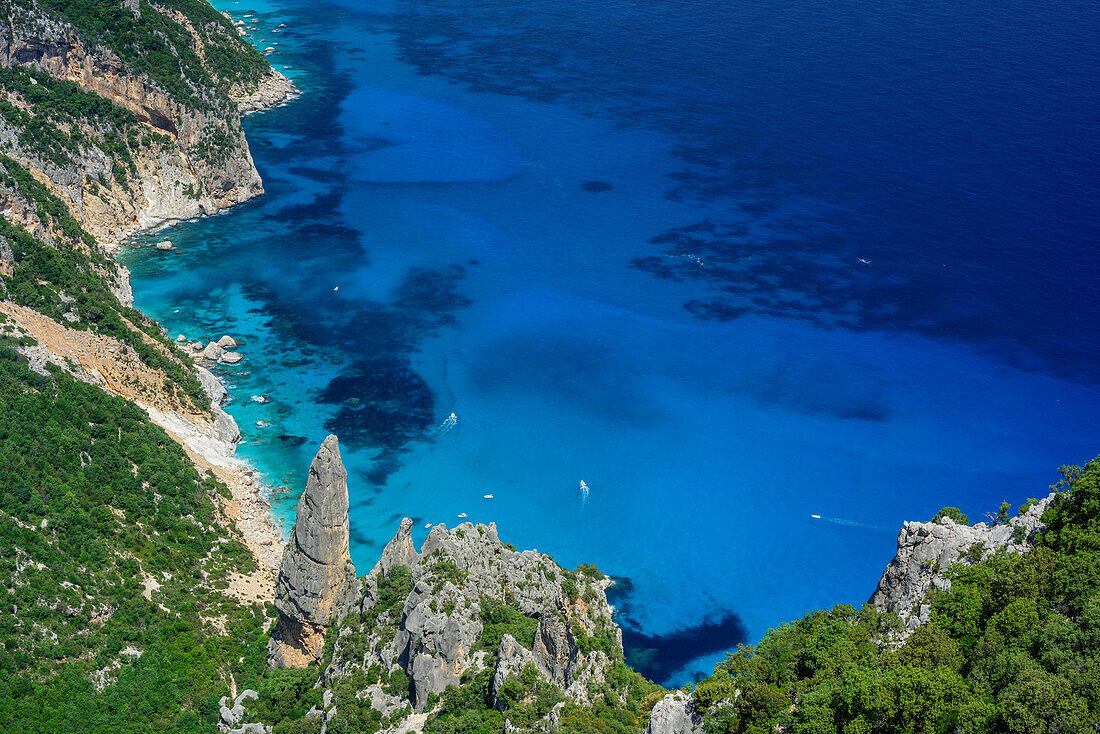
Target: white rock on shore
[(212, 352), (273, 90)]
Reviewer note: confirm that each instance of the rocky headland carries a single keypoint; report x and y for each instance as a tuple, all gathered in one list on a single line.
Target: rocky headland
[(197, 162), (926, 550), (462, 606)]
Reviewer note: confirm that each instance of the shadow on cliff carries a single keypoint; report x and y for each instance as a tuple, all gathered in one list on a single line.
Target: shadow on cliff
[(660, 656)]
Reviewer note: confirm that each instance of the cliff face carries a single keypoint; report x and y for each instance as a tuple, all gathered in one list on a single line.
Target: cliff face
[(316, 579), (926, 550), (675, 714), (198, 164), (101, 139)]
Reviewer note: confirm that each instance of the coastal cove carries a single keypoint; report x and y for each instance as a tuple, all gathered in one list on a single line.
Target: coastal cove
[(442, 235)]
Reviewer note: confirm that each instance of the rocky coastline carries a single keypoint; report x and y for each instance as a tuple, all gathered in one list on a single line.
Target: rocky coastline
[(175, 181)]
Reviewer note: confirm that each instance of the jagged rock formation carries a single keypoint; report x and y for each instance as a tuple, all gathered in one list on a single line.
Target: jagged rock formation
[(926, 550), (675, 714), (398, 552), (316, 578), (424, 614)]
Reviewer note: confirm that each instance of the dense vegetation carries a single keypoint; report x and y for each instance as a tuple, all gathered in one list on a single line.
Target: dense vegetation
[(97, 506), (1014, 646), (159, 45)]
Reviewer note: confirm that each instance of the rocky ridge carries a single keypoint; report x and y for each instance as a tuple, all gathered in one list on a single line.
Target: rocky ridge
[(149, 157), (927, 549), (462, 606), (460, 580), (200, 164)]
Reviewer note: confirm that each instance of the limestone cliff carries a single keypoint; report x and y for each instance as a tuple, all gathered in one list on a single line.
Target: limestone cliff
[(316, 577), (100, 140), (463, 606), (925, 552), (927, 549), (187, 157)]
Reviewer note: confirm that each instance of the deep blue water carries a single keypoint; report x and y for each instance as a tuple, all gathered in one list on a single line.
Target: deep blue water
[(732, 265)]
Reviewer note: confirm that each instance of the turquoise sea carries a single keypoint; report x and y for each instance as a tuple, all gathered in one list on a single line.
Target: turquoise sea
[(769, 278)]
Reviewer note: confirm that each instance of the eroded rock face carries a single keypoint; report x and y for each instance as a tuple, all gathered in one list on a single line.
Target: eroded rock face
[(316, 577), (7, 259), (434, 632), (512, 658), (170, 183), (926, 550), (398, 552), (675, 714)]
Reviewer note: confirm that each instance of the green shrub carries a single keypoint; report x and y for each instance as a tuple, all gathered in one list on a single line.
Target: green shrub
[(500, 619), (954, 513)]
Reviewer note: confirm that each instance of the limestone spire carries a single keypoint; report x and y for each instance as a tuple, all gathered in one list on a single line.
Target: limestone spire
[(316, 576)]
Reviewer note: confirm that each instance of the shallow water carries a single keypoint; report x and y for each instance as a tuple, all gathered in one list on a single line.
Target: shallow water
[(732, 267)]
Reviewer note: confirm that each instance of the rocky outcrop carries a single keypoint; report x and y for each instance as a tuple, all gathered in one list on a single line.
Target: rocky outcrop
[(316, 577), (512, 658), (927, 549), (273, 90), (398, 552), (434, 633), (7, 258), (231, 711), (212, 352), (675, 714)]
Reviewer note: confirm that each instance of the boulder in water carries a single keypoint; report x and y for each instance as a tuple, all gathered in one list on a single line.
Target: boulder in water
[(212, 352)]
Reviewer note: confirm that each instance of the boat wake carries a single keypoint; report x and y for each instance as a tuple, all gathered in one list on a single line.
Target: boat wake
[(446, 426), (847, 523)]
